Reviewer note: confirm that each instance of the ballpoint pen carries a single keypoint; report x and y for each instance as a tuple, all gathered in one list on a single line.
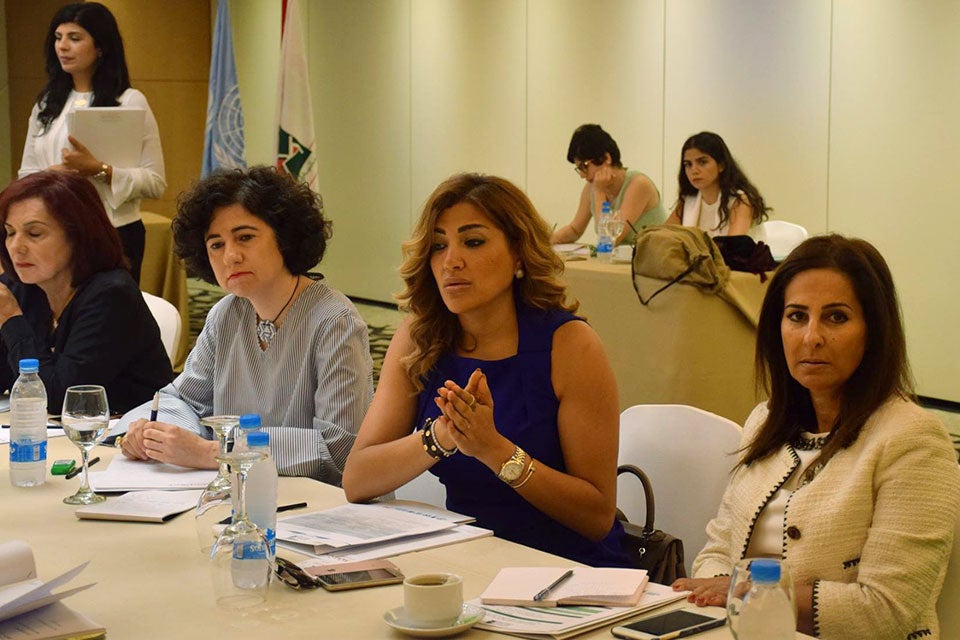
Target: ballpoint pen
[(73, 474), (155, 407), (553, 585)]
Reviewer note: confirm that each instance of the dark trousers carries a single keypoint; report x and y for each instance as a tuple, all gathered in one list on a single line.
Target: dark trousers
[(133, 237)]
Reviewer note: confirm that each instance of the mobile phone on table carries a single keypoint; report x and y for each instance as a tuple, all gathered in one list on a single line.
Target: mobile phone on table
[(62, 467), (356, 575), (679, 623)]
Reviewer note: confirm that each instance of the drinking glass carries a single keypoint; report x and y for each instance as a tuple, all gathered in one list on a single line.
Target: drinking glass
[(85, 418), (742, 588), (615, 225), (214, 507), (241, 557)]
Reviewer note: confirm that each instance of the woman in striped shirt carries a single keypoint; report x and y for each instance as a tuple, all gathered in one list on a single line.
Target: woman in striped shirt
[(283, 345)]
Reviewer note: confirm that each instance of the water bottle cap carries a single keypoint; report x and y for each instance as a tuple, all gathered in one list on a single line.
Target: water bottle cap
[(258, 439), (605, 208), (29, 365), (766, 571), (249, 421)]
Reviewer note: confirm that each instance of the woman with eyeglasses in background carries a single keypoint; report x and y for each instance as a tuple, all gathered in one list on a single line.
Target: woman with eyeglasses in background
[(596, 159)]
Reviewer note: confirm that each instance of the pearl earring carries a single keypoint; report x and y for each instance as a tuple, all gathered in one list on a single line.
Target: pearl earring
[(518, 274)]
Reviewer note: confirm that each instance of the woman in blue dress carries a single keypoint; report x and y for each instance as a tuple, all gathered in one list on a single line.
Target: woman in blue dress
[(493, 384)]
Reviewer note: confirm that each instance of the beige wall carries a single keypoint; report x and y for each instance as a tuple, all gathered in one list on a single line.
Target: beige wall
[(168, 54), (5, 169)]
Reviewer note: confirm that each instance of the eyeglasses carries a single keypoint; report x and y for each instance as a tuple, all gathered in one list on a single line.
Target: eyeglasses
[(581, 167), (293, 576)]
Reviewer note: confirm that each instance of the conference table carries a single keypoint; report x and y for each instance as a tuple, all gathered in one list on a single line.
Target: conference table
[(152, 581), (687, 346)]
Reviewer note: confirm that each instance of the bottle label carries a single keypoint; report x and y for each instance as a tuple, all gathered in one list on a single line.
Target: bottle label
[(28, 451), (256, 550)]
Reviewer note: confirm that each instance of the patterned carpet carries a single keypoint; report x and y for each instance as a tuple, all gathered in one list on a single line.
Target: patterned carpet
[(203, 296)]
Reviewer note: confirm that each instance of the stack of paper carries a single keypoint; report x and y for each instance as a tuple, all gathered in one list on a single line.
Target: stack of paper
[(28, 606), (136, 475), (141, 506), (606, 587), (355, 532), (572, 251), (565, 622)]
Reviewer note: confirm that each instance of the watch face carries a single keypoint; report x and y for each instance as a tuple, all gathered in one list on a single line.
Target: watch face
[(511, 470)]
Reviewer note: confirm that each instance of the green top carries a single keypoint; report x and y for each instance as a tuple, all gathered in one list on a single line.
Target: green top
[(655, 215)]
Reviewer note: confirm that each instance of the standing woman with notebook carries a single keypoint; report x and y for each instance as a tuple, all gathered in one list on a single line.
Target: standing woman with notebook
[(86, 67)]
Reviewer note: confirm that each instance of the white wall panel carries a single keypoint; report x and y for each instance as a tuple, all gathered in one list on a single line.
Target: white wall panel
[(468, 91), (598, 62), (894, 142), (757, 73), (360, 82)]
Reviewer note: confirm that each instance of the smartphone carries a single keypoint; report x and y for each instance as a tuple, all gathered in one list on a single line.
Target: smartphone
[(356, 575), (62, 467), (679, 620)]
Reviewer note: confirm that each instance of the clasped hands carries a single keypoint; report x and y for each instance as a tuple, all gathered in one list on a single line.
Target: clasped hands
[(466, 419), (164, 442)]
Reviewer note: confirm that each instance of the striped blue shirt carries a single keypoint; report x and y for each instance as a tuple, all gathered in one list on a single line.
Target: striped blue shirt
[(311, 387)]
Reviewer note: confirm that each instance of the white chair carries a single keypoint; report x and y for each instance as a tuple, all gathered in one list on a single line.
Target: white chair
[(168, 319), (424, 488), (688, 454), (782, 237), (948, 605)]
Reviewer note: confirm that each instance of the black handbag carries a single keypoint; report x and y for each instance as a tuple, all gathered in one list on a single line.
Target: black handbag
[(656, 551)]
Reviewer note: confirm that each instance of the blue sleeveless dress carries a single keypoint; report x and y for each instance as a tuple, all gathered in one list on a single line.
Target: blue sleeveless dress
[(525, 411)]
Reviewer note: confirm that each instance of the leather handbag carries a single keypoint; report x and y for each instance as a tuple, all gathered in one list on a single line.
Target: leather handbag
[(649, 548), (743, 253)]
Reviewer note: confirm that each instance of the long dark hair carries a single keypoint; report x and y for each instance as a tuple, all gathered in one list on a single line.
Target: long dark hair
[(110, 78), (732, 178), (883, 372)]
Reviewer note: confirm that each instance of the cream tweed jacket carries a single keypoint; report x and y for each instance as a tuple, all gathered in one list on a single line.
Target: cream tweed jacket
[(873, 530)]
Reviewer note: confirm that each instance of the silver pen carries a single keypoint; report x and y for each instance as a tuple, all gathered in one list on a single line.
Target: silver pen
[(553, 585)]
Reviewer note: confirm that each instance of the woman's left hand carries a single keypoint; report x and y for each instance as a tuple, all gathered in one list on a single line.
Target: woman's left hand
[(468, 414), (705, 592), (603, 180), (80, 160), (9, 306)]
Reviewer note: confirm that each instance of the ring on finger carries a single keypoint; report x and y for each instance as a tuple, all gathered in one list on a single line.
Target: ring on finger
[(473, 403)]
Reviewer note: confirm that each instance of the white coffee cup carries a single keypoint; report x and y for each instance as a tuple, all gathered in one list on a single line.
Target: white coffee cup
[(623, 253), (432, 600)]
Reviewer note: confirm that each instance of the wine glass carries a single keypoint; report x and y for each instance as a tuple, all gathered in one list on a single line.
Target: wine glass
[(760, 604), (241, 557), (215, 506), (615, 225), (85, 418)]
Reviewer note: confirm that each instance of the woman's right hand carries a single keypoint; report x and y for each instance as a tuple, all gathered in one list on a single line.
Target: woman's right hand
[(132, 443), (9, 306), (705, 592)]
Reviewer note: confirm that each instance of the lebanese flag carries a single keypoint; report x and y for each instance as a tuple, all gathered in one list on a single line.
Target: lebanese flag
[(296, 144)]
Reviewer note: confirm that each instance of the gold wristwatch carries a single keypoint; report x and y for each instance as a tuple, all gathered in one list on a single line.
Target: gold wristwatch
[(512, 468), (102, 174)]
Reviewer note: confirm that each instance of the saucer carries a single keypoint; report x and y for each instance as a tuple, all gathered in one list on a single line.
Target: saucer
[(469, 616)]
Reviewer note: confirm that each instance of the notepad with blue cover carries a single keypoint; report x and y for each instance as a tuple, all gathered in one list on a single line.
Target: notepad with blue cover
[(601, 586)]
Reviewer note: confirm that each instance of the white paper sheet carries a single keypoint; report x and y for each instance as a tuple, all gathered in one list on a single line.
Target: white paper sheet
[(391, 548), (124, 474)]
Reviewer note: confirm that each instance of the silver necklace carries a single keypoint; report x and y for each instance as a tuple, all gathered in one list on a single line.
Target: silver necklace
[(267, 329)]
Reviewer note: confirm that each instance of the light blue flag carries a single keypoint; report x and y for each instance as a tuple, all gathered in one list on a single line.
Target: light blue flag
[(223, 140)]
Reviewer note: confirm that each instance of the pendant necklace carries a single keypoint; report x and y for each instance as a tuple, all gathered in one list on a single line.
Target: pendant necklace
[(267, 329)]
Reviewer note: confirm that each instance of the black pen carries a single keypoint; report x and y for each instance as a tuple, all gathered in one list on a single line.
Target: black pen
[(689, 631), (553, 585), (155, 407), (76, 472)]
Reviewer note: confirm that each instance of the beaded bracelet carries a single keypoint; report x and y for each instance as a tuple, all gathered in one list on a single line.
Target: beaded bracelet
[(431, 444)]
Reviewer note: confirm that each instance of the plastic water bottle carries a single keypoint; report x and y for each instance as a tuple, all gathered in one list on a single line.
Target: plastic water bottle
[(767, 612), (604, 239), (262, 489), (249, 423), (28, 427)]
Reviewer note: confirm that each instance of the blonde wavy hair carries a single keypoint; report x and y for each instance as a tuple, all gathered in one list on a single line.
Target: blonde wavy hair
[(433, 328)]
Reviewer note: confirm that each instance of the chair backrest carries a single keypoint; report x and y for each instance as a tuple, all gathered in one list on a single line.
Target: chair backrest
[(782, 237), (948, 605), (424, 488), (688, 454), (168, 319)]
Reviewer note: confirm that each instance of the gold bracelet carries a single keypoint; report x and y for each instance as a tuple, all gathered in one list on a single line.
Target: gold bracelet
[(530, 471)]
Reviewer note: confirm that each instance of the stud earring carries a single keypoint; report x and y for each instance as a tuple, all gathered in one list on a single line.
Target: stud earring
[(518, 274)]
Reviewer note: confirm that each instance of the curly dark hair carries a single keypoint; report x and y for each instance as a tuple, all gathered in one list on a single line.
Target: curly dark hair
[(110, 79), (293, 211), (591, 142), (884, 371)]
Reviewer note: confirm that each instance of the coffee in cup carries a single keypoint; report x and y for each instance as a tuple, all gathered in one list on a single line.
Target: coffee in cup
[(432, 600)]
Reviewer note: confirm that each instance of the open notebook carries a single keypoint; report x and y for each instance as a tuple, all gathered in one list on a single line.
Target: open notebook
[(608, 587)]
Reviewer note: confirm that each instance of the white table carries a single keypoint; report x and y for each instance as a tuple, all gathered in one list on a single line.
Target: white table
[(154, 583)]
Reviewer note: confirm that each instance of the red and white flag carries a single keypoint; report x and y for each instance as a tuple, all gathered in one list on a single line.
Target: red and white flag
[(296, 150)]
